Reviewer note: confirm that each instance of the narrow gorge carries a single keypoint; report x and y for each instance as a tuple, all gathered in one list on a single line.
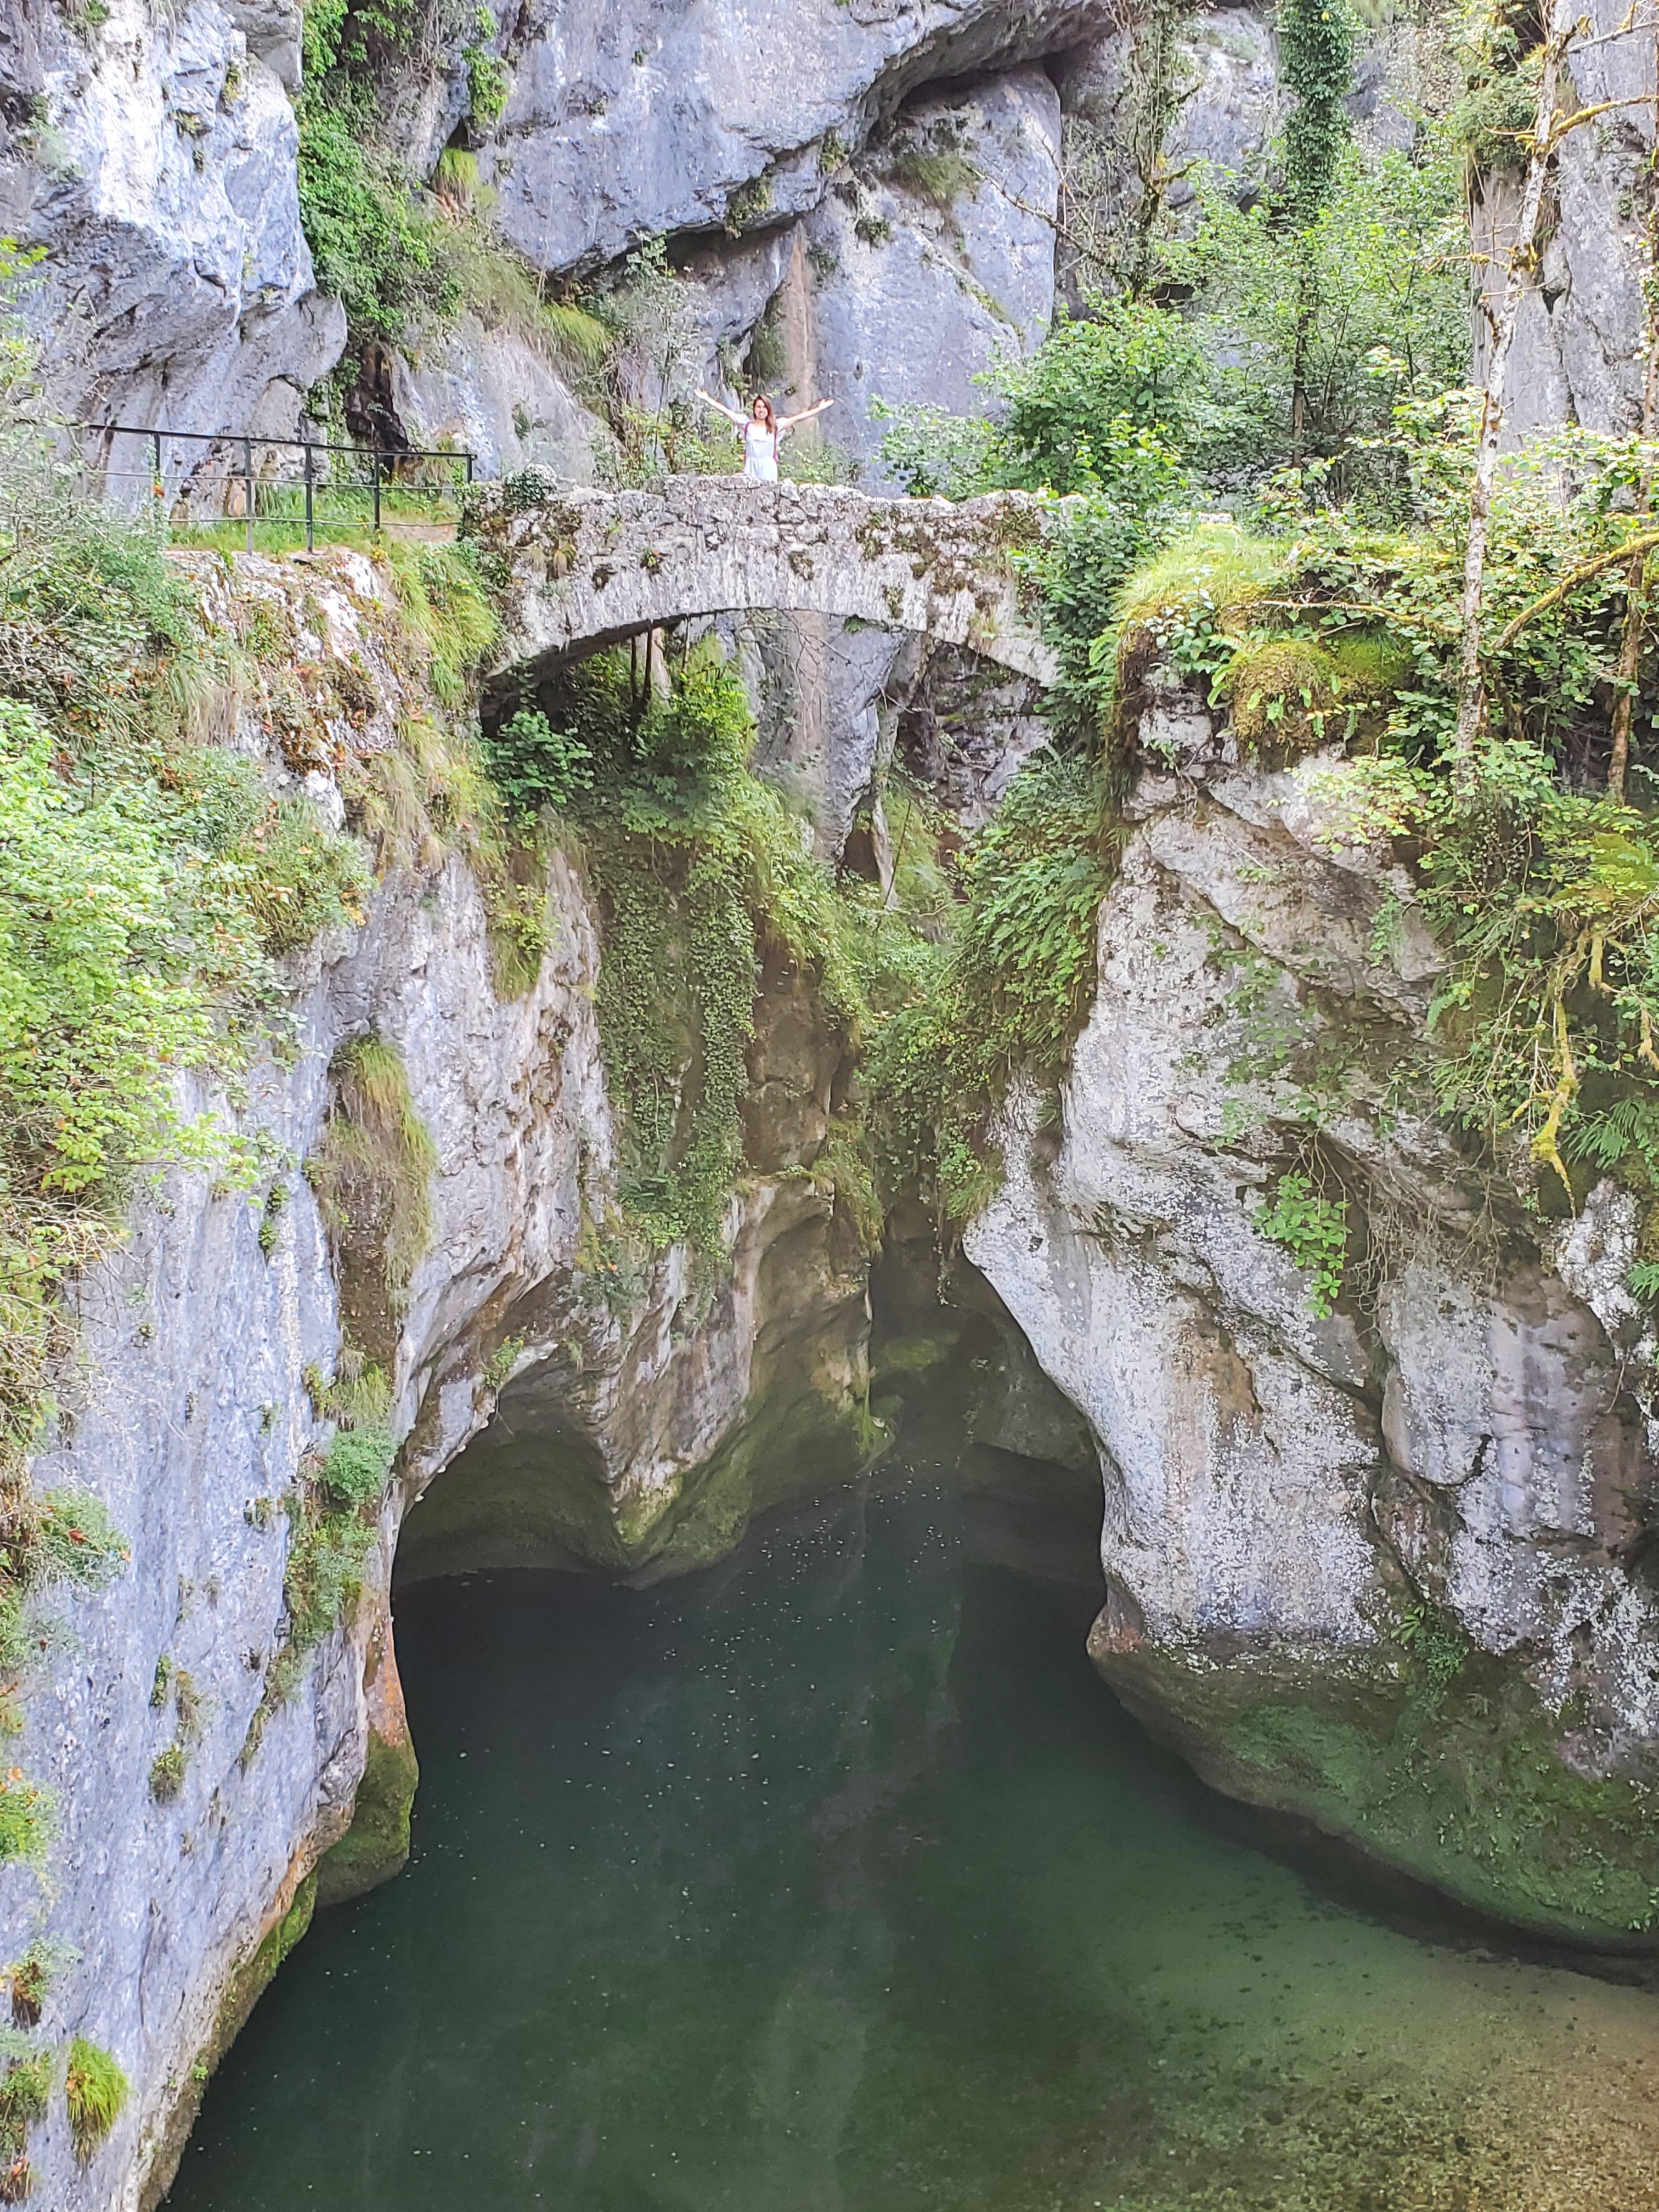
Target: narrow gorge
[(827, 1365)]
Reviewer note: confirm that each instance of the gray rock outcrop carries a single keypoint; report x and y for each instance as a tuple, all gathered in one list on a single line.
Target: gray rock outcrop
[(653, 118), (153, 156), (1372, 1563), (1581, 346), (927, 264), (497, 394)]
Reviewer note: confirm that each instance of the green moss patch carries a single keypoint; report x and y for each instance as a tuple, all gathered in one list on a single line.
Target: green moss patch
[(376, 1845), (1430, 1754)]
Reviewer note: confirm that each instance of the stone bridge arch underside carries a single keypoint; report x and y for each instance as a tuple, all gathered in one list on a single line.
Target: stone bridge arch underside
[(589, 568)]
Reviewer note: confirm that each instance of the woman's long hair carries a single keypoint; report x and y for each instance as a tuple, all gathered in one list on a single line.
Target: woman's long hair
[(770, 417)]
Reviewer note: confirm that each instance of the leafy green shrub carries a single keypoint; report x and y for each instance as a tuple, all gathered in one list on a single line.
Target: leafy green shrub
[(1128, 374), (931, 452), (695, 862), (1435, 1641), (354, 1472), (373, 245), (533, 765), (98, 1004), (1006, 998), (1494, 119), (1314, 1230), (498, 1368), (95, 2090), (487, 83)]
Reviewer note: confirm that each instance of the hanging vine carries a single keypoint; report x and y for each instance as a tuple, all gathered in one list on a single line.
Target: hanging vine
[(1316, 60)]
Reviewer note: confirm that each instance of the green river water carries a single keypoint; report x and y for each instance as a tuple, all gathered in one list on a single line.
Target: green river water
[(831, 1879)]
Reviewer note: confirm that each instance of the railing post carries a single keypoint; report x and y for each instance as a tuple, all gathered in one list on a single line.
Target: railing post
[(310, 542), (374, 465), (247, 490), (156, 492)]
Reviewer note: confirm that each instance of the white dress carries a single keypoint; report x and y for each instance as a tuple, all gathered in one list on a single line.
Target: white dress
[(760, 452)]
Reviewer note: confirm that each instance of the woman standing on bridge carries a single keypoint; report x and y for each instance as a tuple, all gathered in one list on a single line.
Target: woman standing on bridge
[(762, 430)]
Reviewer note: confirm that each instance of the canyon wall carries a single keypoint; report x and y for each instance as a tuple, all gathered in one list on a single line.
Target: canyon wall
[(202, 1762), (1386, 1566), (1375, 1557)]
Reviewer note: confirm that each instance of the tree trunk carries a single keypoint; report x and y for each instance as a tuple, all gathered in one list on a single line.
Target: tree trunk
[(1304, 315), (1520, 272)]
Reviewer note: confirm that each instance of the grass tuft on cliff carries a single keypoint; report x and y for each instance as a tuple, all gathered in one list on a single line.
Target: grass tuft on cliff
[(96, 2092)]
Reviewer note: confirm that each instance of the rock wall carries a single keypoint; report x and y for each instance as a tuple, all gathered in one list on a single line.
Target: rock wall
[(1381, 1567), (153, 153), (653, 118), (1581, 351), (948, 230), (205, 1349)]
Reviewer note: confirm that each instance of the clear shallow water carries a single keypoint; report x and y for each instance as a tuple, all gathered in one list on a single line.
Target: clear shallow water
[(831, 1880)]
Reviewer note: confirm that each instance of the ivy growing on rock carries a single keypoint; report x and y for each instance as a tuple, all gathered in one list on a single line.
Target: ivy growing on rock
[(1003, 998), (694, 859)]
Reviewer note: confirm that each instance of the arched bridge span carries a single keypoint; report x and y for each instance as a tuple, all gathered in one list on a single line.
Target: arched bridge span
[(587, 568)]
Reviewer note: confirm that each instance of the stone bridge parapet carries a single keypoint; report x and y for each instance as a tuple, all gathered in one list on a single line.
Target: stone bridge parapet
[(587, 568)]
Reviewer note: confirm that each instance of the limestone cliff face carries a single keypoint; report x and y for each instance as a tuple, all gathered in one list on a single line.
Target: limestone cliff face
[(654, 117), (1580, 349), (205, 1351), (153, 154), (1385, 1567)]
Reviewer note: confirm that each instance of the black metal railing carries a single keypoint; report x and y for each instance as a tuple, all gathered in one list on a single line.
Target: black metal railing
[(399, 468)]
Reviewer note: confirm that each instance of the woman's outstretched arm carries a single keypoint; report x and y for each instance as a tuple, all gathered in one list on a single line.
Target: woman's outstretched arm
[(721, 407), (788, 422)]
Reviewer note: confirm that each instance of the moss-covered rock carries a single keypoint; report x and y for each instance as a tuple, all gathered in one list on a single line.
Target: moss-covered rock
[(1430, 1754), (376, 1844)]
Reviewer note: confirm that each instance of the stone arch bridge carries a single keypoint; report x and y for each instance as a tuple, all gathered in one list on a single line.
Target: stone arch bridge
[(588, 568)]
